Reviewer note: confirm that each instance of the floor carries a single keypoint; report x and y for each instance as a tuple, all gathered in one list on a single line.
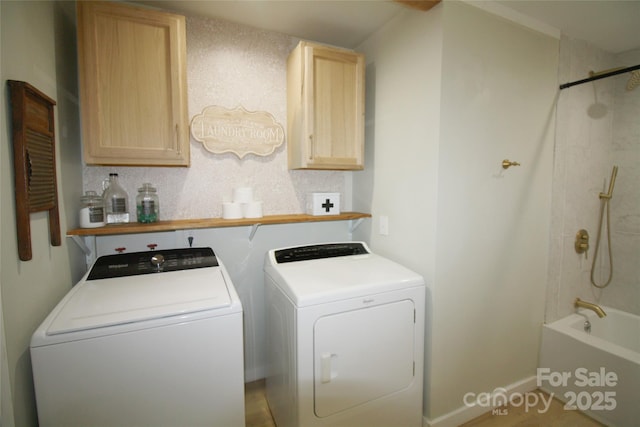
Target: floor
[(256, 410), (258, 415)]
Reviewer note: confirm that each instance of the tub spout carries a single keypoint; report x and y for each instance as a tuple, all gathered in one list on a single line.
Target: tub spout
[(591, 306)]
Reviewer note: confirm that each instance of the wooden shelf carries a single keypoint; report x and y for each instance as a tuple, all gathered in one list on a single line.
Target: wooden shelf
[(190, 224)]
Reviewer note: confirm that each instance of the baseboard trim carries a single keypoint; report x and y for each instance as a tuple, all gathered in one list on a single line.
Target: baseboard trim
[(468, 412), (257, 373)]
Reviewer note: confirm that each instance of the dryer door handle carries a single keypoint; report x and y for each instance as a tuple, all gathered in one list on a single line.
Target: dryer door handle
[(326, 372)]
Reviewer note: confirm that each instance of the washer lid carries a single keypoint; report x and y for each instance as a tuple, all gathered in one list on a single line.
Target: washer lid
[(107, 302)]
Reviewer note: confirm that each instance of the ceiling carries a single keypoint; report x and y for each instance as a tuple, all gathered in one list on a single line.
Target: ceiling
[(612, 25)]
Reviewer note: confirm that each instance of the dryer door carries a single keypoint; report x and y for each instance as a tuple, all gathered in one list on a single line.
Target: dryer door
[(362, 355)]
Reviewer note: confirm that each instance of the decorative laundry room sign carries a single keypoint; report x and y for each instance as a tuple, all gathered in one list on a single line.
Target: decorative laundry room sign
[(237, 131)]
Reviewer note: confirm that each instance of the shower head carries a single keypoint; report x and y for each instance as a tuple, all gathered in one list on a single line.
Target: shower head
[(634, 81)]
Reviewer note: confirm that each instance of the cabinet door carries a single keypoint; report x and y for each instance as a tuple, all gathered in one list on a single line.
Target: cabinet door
[(325, 108), (362, 355), (133, 85)]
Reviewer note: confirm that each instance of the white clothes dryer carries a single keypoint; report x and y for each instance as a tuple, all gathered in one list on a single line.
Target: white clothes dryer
[(144, 339), (345, 338)]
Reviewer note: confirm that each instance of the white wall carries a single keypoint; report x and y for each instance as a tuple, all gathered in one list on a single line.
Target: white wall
[(499, 89), (477, 233), (38, 40), (589, 141), (402, 129)]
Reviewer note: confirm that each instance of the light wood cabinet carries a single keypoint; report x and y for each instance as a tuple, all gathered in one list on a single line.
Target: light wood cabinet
[(325, 108), (133, 90)]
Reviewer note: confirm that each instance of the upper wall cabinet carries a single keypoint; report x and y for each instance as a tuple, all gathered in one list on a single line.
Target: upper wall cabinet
[(133, 86), (325, 108)]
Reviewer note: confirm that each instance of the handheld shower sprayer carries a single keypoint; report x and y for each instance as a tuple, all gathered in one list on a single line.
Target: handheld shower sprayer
[(605, 198), (612, 182)]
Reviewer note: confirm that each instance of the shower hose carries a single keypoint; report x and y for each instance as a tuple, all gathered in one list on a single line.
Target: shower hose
[(605, 202)]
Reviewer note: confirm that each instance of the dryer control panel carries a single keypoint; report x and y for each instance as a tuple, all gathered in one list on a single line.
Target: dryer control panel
[(135, 263), (328, 250)]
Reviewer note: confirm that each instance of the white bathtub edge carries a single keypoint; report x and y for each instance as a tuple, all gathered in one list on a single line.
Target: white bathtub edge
[(563, 326), (565, 348), (467, 413)]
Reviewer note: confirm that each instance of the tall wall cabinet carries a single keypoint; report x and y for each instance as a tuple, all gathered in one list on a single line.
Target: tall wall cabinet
[(133, 88), (325, 108)]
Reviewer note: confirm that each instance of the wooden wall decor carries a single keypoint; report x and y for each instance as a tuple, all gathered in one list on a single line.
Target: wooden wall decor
[(237, 131), (33, 130)]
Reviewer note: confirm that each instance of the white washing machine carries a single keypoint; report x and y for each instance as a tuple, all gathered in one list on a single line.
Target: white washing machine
[(345, 338), (144, 339)]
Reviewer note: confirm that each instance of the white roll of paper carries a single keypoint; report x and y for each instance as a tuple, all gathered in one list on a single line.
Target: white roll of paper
[(231, 210), (252, 209)]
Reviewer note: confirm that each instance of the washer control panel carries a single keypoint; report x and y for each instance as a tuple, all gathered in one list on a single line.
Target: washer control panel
[(328, 250), (135, 263)]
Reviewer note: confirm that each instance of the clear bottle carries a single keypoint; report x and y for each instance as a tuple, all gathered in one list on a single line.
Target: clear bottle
[(147, 204), (116, 201), (91, 210)]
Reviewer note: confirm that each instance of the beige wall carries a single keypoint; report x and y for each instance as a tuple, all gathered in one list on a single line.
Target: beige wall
[(466, 89), (38, 40)]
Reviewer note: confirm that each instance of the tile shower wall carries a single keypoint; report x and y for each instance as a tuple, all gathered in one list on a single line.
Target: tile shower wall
[(230, 65), (624, 292), (597, 127)]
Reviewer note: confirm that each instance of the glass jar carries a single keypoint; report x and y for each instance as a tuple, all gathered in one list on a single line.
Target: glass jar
[(147, 204), (91, 210), (116, 201)]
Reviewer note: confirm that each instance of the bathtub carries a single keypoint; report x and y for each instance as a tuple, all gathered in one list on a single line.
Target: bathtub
[(597, 372)]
